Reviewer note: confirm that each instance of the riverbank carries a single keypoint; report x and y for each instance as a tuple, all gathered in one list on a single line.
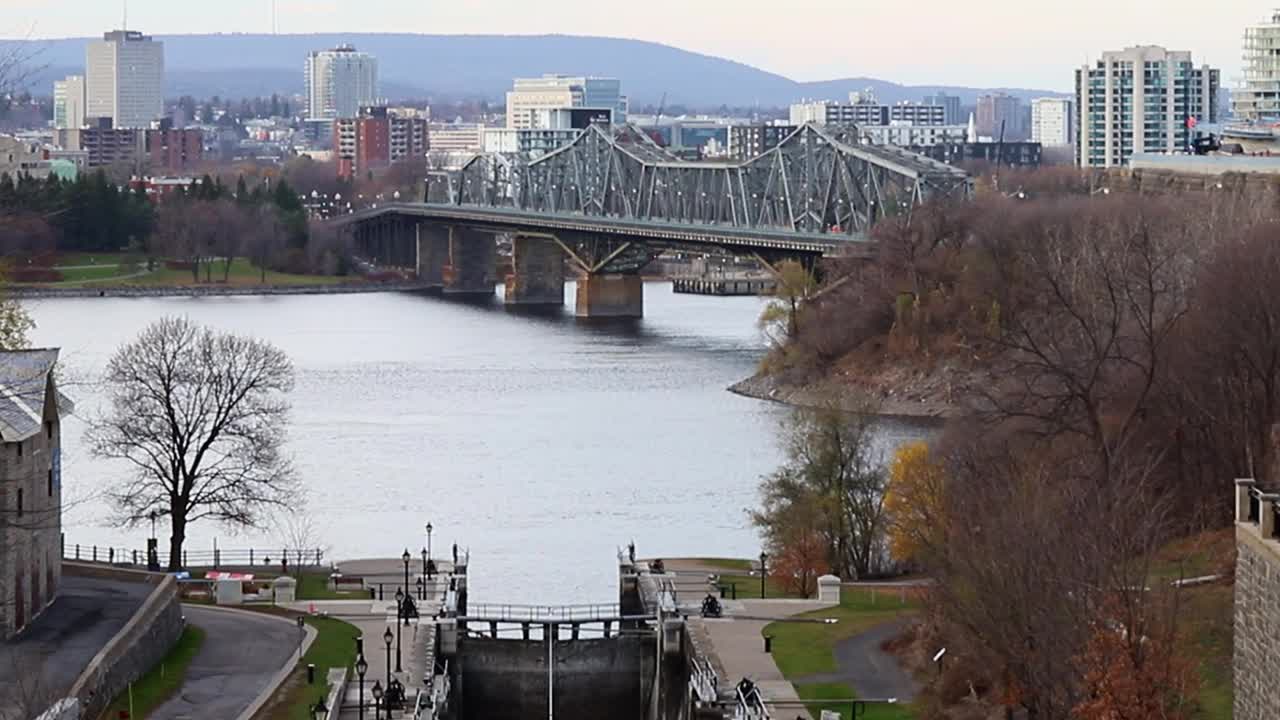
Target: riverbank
[(27, 292), (828, 393)]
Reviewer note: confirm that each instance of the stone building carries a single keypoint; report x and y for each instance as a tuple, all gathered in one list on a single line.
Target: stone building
[(1256, 653), (30, 486)]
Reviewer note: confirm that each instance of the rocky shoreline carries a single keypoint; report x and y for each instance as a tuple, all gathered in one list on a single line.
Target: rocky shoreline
[(39, 293), (827, 393)]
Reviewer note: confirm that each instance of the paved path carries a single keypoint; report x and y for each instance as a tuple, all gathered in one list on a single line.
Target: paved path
[(872, 672), (44, 661), (242, 652), (738, 645)]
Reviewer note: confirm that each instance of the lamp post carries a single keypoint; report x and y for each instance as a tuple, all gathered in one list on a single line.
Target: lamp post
[(320, 711), (422, 593), (377, 699), (362, 667), (387, 638), (429, 528), (405, 557), (763, 557), (400, 598), (424, 564)]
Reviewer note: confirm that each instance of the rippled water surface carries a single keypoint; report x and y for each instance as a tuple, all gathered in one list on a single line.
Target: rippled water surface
[(540, 442)]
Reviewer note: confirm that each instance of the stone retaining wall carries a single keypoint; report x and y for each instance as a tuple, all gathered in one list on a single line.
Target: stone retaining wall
[(1256, 661), (142, 643)]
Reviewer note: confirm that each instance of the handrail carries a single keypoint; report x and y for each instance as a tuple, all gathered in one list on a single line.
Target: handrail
[(542, 613), (704, 681)]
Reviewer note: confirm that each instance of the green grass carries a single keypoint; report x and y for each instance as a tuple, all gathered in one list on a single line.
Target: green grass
[(91, 274), (334, 647), (1208, 615), (242, 273), (162, 681), (840, 691), (315, 586), (805, 649)]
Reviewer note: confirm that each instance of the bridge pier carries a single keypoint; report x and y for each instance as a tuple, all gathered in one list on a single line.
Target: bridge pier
[(537, 272), (433, 252), (472, 256), (610, 295)]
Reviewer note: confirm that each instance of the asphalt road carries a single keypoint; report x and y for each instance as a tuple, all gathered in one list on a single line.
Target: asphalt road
[(872, 672), (45, 659), (242, 651)]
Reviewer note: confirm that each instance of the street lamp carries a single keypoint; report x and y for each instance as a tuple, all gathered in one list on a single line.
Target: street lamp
[(424, 565), (405, 557), (386, 638), (429, 529), (763, 557), (422, 593), (377, 700), (320, 711), (362, 667), (400, 597)]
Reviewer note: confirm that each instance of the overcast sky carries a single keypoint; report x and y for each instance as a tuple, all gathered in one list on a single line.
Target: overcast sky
[(1031, 43)]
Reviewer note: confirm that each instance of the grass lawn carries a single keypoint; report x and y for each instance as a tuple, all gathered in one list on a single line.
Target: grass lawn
[(1209, 619), (243, 273), (840, 691), (162, 681), (315, 586), (802, 649)]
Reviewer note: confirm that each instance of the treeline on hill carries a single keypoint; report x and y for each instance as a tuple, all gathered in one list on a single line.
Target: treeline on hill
[(1128, 351), (197, 228)]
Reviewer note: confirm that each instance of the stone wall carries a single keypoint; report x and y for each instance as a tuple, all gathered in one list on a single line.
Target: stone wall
[(139, 646), (1256, 661)]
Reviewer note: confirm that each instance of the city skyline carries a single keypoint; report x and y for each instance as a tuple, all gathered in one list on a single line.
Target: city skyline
[(852, 40)]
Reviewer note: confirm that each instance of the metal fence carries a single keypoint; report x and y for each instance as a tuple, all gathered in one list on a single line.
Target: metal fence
[(264, 558), (543, 613)]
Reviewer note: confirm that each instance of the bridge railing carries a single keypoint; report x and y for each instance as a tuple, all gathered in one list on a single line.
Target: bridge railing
[(264, 558), (704, 682)]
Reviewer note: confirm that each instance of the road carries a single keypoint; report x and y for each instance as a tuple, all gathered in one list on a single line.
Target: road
[(242, 651)]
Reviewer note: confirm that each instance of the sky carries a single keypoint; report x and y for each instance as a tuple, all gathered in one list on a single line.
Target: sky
[(988, 43)]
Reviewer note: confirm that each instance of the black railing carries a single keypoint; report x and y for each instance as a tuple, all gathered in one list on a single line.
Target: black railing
[(265, 559)]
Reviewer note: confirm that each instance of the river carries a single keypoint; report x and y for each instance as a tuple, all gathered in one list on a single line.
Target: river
[(540, 442)]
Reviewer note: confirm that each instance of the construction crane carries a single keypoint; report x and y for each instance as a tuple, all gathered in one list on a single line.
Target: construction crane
[(657, 122)]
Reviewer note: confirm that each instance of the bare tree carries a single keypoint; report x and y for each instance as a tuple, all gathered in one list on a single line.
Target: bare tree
[(201, 417)]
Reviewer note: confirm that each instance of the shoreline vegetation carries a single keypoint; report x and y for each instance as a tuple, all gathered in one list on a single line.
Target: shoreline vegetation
[(825, 393)]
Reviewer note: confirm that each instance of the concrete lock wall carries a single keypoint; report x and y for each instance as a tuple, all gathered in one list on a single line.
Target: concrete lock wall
[(1256, 659), (593, 678), (537, 272), (140, 645)]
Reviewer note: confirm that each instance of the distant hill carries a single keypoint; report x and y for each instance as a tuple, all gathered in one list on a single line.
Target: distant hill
[(482, 66)]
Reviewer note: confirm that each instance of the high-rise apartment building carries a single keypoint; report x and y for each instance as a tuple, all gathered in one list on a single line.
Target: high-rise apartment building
[(1258, 96), (340, 82), (1000, 113), (378, 138), (1051, 121), (950, 106), (1141, 99), (68, 102), (553, 92), (124, 79)]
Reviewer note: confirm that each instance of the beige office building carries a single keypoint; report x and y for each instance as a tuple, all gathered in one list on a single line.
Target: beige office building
[(1051, 121), (124, 79), (69, 102)]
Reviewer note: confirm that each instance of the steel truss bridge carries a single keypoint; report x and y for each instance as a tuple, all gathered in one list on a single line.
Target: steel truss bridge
[(816, 193)]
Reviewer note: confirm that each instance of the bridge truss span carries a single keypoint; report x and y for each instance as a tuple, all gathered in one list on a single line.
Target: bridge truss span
[(817, 181)]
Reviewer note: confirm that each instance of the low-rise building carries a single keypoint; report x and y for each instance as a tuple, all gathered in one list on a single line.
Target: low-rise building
[(456, 137), (378, 138), (906, 135), (21, 157), (748, 141), (1008, 154), (31, 409)]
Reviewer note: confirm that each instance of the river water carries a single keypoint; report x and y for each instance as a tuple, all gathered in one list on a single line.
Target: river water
[(540, 442)]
